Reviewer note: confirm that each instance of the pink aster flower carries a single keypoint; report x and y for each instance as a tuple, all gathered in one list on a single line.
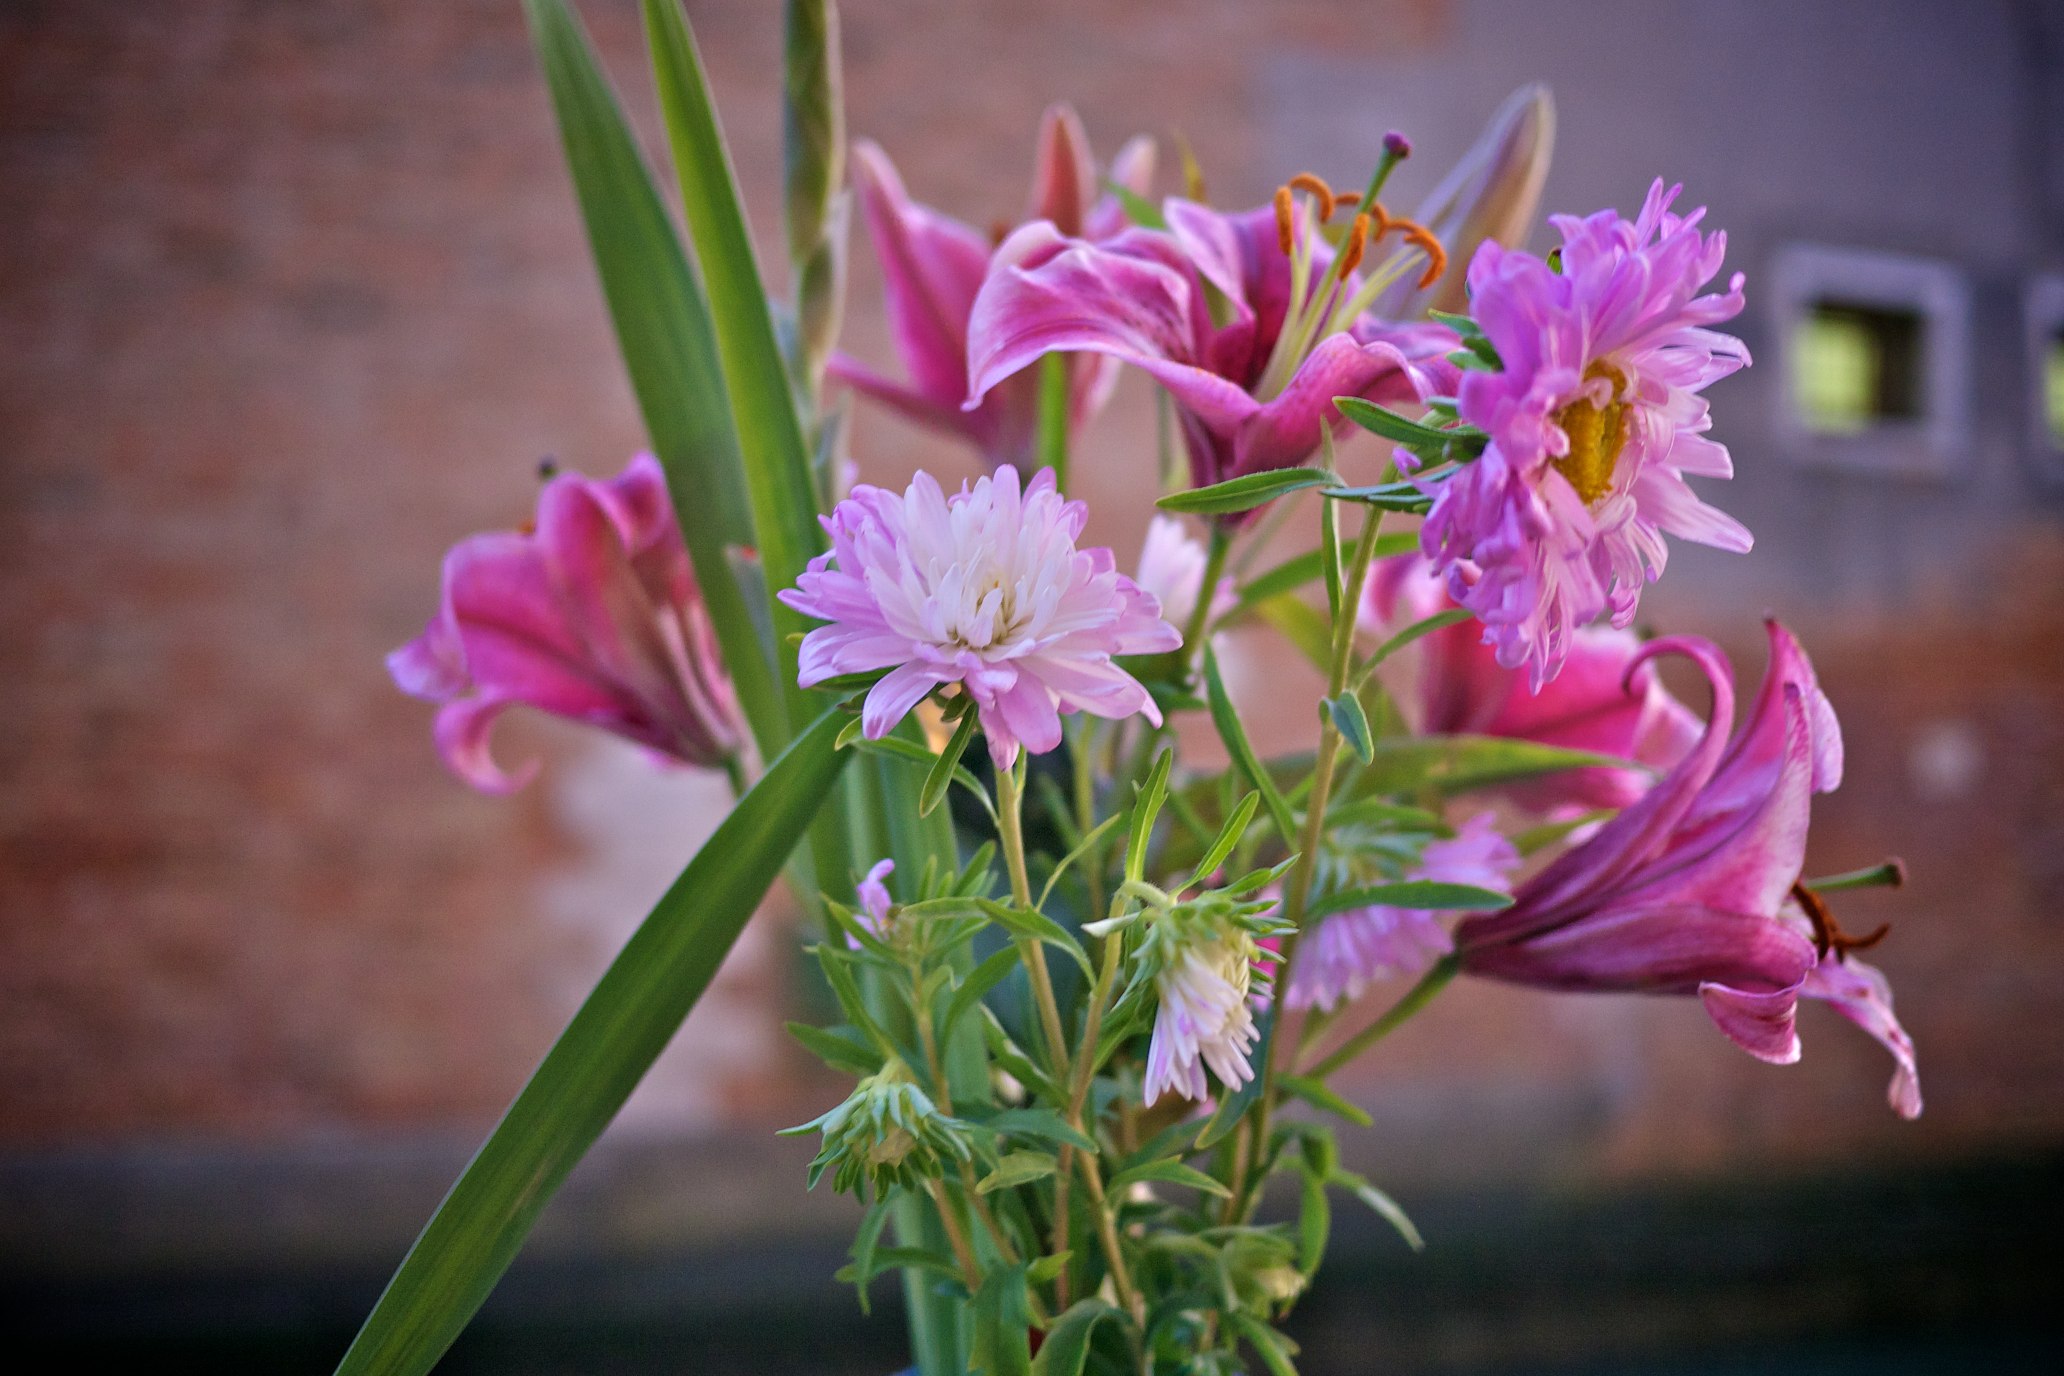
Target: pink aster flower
[(1594, 422), (1346, 951), (1171, 566), (875, 902), (985, 589), (1695, 888), (932, 266), (1603, 701), (593, 615), (1204, 1017), (1249, 320)]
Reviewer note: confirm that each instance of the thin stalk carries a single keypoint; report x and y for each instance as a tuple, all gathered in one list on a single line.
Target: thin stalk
[(1107, 1235), (1050, 439), (1083, 755), (1078, 1092), (1193, 635), (1010, 830), (1297, 893), (1415, 998), (956, 1235)]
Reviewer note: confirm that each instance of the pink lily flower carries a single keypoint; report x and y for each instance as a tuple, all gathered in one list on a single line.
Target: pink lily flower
[(933, 265), (1605, 700), (1695, 888), (593, 616), (1248, 320)]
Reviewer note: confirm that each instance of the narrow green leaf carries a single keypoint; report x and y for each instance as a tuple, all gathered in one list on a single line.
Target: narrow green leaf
[(1319, 1096), (1227, 720), (1081, 848), (1138, 208), (1430, 894), (1066, 1349), (1274, 1348), (942, 770), (1041, 1123), (1353, 725), (921, 1258), (1390, 496), (592, 1068), (1381, 420), (1170, 1170), (1385, 1207), (864, 1243), (1314, 1225), (1146, 807), (770, 436), (1455, 763), (1383, 812), (1222, 845), (841, 1048), (1245, 493), (1017, 1168), (669, 348), (1425, 626), (976, 983), (1003, 1320)]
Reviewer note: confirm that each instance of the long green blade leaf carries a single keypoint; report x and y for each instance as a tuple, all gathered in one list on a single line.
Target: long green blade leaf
[(770, 436), (669, 348), (589, 1072)]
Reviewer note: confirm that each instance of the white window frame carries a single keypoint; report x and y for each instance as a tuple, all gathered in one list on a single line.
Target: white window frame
[(2042, 311), (1933, 444)]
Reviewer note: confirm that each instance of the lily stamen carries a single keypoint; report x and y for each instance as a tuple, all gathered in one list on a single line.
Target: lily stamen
[(1827, 933), (1286, 219), (1312, 182), (1352, 247)]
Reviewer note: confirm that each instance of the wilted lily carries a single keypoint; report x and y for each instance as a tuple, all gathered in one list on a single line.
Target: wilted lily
[(592, 615), (1696, 887), (1604, 701), (933, 265)]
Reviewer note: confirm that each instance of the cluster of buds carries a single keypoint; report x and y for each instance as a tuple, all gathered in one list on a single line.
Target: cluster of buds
[(888, 1133)]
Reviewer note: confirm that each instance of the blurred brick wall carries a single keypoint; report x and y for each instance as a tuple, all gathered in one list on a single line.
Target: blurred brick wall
[(293, 296)]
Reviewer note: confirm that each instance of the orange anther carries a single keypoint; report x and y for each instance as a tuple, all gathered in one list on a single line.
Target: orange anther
[(1315, 184), (1353, 246), (1436, 256), (1285, 225)]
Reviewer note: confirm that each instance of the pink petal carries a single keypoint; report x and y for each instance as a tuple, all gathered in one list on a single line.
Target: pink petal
[(461, 733), (1861, 994)]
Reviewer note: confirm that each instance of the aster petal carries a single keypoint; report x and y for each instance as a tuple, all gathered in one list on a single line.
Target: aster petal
[(893, 695)]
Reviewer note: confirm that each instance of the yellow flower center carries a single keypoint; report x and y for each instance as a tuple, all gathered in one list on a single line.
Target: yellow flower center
[(1597, 434)]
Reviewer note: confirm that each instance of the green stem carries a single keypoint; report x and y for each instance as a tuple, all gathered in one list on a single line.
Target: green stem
[(1416, 998), (1297, 893), (1050, 439), (1010, 831), (1200, 615)]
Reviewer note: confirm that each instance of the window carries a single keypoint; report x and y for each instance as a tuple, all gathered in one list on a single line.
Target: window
[(2045, 313), (1873, 353)]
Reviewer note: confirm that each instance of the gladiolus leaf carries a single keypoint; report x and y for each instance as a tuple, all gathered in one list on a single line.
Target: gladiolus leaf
[(598, 1060), (1245, 493), (669, 346)]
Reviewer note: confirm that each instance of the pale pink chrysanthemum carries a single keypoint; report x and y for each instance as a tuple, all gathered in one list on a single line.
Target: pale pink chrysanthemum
[(985, 589), (1172, 565), (1594, 422), (1204, 1017), (1347, 951)]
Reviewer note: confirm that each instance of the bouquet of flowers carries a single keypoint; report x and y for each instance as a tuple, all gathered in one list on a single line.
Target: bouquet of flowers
[(1092, 992)]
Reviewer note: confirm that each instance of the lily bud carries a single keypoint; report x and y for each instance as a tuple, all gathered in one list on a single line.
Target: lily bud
[(1492, 193), (1064, 181)]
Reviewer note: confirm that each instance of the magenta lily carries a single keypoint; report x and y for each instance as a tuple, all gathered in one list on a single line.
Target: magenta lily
[(1605, 701), (593, 616), (933, 265), (1242, 318), (1695, 888)]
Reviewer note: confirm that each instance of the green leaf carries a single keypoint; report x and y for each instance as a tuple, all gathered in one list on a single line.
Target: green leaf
[(1245, 493), (921, 1258), (1452, 764), (1430, 894), (669, 347), (1314, 1225), (1382, 812), (1138, 208), (1003, 1324), (1169, 1169), (1385, 1207), (1390, 496), (1222, 845), (1275, 1349), (1146, 807), (943, 768), (770, 436), (1424, 626), (979, 981), (1381, 420), (1227, 720), (841, 1048), (1027, 925), (1041, 1123), (1066, 1348), (584, 1079), (1082, 847), (1353, 724), (1319, 1096), (863, 1251), (1017, 1168), (813, 133)]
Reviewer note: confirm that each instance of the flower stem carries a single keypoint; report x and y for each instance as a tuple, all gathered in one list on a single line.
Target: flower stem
[(1010, 831), (1297, 893), (956, 1235), (1194, 632), (1415, 998)]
